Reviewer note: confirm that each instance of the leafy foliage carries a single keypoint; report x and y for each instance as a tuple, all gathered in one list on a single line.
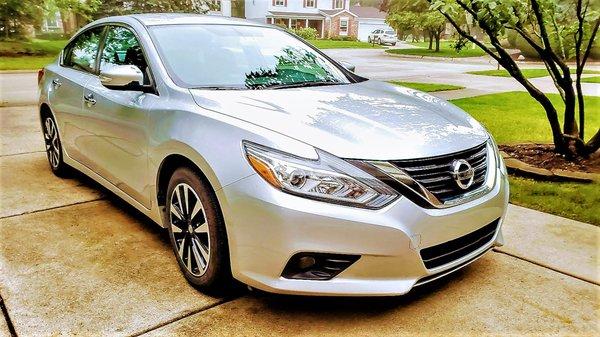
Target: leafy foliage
[(307, 33), (556, 30)]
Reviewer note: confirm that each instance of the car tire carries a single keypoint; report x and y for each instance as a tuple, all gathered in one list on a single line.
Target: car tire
[(379, 41), (197, 231), (53, 146)]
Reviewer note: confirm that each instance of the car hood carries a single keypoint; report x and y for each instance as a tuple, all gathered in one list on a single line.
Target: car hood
[(366, 120)]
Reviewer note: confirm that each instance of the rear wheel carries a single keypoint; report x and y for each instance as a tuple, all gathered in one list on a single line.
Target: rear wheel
[(53, 147), (197, 231)]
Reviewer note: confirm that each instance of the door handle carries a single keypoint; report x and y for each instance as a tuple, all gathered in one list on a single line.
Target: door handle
[(89, 99), (56, 83)]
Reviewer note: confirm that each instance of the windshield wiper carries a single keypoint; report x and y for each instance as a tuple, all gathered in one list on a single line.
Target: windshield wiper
[(209, 87), (298, 85)]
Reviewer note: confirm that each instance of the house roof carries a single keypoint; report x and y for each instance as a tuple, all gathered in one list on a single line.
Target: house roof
[(334, 12), (294, 14), (368, 12)]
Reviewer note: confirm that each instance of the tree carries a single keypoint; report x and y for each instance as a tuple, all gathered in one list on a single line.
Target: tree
[(435, 24), (124, 7), (547, 26), (16, 15), (431, 22), (405, 23)]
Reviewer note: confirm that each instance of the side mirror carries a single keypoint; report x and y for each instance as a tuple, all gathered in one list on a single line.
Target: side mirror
[(348, 66), (122, 77)]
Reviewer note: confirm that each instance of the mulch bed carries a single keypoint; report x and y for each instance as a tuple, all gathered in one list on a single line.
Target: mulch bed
[(543, 156)]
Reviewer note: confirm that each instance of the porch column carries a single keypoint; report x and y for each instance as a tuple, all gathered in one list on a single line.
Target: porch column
[(322, 28), (306, 23), (290, 23)]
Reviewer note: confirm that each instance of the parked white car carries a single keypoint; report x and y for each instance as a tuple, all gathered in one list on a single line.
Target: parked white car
[(383, 36)]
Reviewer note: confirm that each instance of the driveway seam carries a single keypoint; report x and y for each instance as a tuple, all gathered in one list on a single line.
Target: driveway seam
[(51, 208), (18, 154), (581, 278), (186, 315), (9, 324)]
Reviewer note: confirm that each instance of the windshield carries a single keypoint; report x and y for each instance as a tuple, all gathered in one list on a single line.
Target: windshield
[(240, 57)]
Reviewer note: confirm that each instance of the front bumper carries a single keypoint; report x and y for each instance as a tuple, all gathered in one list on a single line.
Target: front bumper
[(267, 227)]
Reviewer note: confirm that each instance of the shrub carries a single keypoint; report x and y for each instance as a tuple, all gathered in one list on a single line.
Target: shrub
[(343, 38), (307, 33)]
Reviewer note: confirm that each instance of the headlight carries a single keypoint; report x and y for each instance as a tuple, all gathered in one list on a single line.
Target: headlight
[(328, 178)]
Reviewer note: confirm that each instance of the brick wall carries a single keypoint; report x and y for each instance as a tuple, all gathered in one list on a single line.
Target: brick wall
[(352, 25)]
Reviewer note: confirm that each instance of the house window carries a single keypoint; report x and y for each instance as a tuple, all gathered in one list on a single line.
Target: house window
[(279, 2), (344, 26), (310, 3), (337, 4), (216, 5)]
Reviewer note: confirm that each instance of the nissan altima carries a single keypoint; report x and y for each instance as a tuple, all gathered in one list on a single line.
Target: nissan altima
[(267, 161)]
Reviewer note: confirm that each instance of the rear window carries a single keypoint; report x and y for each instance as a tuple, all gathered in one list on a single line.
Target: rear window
[(390, 32)]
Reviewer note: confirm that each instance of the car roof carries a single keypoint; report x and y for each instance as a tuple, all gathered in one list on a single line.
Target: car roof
[(153, 19)]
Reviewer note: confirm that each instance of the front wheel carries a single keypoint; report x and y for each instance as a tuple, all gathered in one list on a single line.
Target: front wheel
[(53, 147), (197, 231)]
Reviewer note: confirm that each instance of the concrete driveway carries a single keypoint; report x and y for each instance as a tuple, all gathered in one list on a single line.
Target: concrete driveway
[(76, 260)]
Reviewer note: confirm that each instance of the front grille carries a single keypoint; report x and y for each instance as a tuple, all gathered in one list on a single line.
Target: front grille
[(435, 174), (449, 251)]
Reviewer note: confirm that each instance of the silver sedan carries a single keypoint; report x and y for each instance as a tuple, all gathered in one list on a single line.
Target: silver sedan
[(268, 162)]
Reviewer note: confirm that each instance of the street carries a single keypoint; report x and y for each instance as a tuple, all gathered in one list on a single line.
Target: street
[(75, 259)]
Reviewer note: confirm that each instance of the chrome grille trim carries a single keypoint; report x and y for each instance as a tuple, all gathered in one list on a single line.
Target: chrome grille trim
[(436, 176), (407, 182)]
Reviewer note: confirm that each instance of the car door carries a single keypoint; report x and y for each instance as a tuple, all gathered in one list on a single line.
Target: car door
[(118, 119), (77, 64)]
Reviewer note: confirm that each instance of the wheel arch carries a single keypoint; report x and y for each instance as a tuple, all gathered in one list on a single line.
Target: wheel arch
[(167, 166)]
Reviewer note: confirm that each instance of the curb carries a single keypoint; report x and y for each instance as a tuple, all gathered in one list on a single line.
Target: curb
[(18, 71), (522, 169)]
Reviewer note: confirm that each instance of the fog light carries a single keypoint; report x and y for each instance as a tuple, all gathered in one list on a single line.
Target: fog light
[(317, 266), (306, 262)]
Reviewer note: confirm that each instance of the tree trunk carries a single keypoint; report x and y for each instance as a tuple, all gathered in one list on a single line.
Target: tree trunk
[(430, 41), (438, 36)]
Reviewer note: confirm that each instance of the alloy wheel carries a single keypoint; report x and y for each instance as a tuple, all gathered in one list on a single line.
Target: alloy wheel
[(52, 142), (190, 229)]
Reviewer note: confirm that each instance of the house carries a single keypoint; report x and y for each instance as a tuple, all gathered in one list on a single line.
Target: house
[(221, 7), (369, 19), (331, 18)]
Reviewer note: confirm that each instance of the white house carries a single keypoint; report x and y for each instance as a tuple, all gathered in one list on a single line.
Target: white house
[(223, 7), (369, 19), (329, 17)]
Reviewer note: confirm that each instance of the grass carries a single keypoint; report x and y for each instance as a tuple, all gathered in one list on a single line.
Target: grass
[(595, 79), (529, 73), (28, 55), (25, 62), (515, 117), (446, 50), (571, 200), (427, 87), (333, 44)]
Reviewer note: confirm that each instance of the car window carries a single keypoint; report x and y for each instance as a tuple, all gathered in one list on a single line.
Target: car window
[(121, 47), (390, 32), (243, 57), (82, 52)]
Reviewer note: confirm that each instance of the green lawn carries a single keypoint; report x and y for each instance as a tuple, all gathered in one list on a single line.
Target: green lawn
[(446, 50), (427, 87), (36, 53), (529, 73), (331, 44), (571, 200), (595, 79), (25, 62), (515, 117)]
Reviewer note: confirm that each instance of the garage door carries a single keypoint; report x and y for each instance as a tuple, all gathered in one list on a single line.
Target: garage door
[(365, 28)]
